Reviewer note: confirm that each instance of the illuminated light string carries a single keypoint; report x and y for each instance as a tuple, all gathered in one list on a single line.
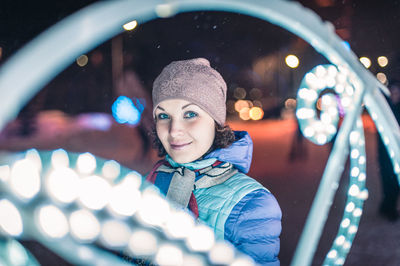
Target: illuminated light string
[(321, 130), (85, 199), (357, 194)]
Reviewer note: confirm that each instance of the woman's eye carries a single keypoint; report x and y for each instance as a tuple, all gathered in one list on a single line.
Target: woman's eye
[(162, 116), (190, 114)]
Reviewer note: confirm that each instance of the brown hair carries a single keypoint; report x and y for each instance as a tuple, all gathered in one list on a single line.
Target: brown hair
[(224, 137)]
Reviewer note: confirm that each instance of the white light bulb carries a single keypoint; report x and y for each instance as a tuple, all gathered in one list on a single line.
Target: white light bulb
[(350, 207), (201, 239), (52, 221), (169, 255), (154, 210), (25, 179), (115, 233), (84, 225), (221, 253), (86, 163), (62, 184), (354, 190), (11, 221), (94, 192), (59, 158), (125, 198), (111, 170), (143, 243), (180, 224), (33, 156)]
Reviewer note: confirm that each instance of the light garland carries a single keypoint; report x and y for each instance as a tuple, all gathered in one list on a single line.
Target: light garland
[(320, 131), (118, 210)]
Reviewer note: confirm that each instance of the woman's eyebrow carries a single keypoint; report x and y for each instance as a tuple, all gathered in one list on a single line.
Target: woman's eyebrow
[(183, 107), (159, 107)]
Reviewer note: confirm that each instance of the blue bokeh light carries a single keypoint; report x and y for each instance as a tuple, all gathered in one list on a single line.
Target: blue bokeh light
[(125, 112)]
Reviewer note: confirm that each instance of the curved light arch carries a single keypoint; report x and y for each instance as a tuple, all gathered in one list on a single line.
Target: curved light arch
[(52, 51)]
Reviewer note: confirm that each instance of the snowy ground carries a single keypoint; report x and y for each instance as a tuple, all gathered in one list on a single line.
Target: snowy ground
[(293, 182)]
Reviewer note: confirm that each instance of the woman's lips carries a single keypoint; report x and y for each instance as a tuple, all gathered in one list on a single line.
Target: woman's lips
[(179, 146)]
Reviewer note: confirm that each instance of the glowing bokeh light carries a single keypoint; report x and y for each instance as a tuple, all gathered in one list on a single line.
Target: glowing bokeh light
[(381, 77), (52, 221), (201, 239), (125, 112), (239, 93), (33, 156), (169, 255), (290, 103), (115, 233), (94, 192), (180, 224), (135, 179), (154, 210), (143, 243), (25, 179), (244, 113), (382, 61), (125, 198), (84, 226), (256, 113), (240, 104), (365, 61), (111, 170), (82, 60), (62, 184), (86, 163), (255, 93), (222, 253), (292, 61), (59, 158), (130, 25), (11, 220)]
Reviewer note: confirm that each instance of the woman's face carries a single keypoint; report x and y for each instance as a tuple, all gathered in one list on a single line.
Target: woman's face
[(184, 129)]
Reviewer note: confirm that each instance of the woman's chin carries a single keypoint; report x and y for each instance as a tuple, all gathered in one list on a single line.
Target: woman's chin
[(183, 159)]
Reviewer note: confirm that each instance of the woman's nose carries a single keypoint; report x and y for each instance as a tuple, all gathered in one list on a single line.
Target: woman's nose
[(176, 128)]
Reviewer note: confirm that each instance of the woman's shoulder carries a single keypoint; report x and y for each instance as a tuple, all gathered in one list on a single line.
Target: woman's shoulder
[(255, 197), (243, 182)]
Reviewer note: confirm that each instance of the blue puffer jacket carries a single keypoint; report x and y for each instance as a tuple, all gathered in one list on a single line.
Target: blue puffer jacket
[(240, 209)]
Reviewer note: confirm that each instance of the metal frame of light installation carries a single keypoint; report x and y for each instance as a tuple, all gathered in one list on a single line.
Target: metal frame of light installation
[(56, 48)]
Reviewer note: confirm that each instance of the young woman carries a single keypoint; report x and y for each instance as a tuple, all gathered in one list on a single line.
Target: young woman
[(206, 163)]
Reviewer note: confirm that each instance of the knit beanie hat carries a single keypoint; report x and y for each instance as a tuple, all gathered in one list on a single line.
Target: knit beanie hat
[(195, 81)]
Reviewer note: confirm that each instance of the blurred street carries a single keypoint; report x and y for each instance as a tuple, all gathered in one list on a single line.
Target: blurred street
[(293, 180)]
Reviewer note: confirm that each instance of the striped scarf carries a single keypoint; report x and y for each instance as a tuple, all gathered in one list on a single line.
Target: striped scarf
[(178, 182)]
